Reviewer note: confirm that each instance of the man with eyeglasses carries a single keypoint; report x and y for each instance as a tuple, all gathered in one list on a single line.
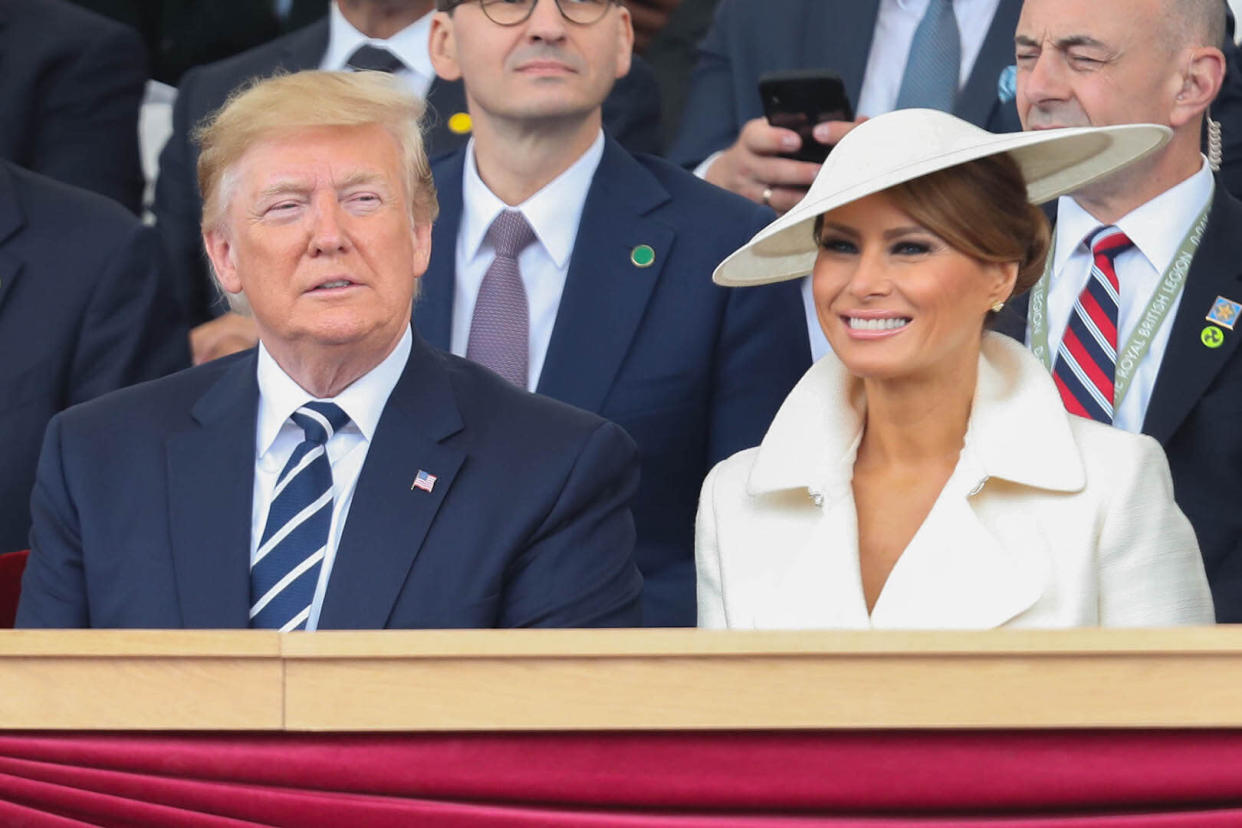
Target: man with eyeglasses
[(582, 272), (389, 35)]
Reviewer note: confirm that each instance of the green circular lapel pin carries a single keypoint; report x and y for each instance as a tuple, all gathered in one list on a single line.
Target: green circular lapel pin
[(1212, 337), (642, 256)]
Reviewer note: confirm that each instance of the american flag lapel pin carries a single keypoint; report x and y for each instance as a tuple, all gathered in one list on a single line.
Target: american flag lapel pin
[(423, 481)]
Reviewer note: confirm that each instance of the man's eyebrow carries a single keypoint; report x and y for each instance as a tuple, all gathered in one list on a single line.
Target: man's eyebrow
[(360, 177), (1071, 41), (285, 187), (1067, 42)]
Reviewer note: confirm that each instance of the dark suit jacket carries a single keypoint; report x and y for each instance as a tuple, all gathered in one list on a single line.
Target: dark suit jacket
[(82, 312), (1196, 405), (632, 113), (142, 509), (71, 82), (752, 37), (694, 372)]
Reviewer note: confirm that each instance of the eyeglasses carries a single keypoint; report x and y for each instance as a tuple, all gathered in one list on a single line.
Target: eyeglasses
[(513, 12)]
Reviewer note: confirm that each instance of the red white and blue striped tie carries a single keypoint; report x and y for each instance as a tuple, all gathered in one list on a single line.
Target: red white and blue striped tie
[(1087, 359)]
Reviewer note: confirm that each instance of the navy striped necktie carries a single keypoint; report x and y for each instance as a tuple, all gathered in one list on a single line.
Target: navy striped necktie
[(1086, 365), (285, 569)]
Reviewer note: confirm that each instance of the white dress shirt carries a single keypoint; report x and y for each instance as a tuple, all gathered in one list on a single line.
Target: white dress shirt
[(1157, 229), (276, 437), (890, 47), (409, 44), (553, 213)]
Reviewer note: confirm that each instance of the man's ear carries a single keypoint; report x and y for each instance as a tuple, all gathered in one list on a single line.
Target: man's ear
[(443, 47), (422, 247), (625, 46), (220, 252), (1202, 74)]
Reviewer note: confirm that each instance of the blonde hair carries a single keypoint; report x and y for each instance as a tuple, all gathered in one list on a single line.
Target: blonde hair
[(305, 100)]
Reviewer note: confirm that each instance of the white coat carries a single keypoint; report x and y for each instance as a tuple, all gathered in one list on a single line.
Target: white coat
[(1048, 520)]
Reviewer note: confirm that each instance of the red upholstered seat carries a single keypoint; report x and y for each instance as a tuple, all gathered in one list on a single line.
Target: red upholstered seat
[(12, 565)]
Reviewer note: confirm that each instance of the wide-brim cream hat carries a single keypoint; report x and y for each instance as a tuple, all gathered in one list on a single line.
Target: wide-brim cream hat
[(908, 143)]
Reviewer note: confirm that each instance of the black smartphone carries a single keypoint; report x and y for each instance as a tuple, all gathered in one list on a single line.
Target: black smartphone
[(800, 100)]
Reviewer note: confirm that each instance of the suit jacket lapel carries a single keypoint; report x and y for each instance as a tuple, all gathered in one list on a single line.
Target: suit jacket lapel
[(388, 518), (980, 95), (1189, 366), (11, 221), (433, 310), (830, 39), (305, 49), (444, 100), (605, 292), (210, 485)]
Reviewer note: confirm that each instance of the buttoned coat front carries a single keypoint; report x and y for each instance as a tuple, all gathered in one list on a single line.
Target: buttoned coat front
[(1048, 520)]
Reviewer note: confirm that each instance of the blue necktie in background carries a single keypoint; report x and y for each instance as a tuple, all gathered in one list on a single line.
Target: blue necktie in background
[(935, 61)]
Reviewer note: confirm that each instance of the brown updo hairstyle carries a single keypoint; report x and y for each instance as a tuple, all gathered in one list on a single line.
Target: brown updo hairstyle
[(980, 209)]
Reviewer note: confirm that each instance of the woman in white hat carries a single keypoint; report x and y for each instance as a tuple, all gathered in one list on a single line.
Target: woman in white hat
[(926, 474)]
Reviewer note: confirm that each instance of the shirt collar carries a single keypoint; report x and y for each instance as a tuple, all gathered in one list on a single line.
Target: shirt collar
[(409, 44), (546, 210), (1018, 428), (1156, 227), (363, 400)]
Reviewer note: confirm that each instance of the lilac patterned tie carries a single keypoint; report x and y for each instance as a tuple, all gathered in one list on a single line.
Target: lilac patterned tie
[(500, 327)]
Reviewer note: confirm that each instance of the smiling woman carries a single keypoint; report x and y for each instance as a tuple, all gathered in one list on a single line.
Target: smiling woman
[(926, 474)]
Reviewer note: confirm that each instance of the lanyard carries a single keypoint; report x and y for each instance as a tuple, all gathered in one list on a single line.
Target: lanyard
[(1139, 343)]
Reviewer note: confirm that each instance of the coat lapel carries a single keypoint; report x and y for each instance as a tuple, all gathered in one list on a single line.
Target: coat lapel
[(433, 310), (605, 292), (389, 518), (444, 100), (980, 95), (1189, 366), (210, 490), (11, 221), (830, 39), (305, 49)]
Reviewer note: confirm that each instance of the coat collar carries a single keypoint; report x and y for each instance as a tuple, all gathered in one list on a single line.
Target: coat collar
[(1018, 429)]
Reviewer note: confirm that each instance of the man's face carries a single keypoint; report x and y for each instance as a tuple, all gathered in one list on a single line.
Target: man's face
[(318, 235), (1094, 63), (546, 68)]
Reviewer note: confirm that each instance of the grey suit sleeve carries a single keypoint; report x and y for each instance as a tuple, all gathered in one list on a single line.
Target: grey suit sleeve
[(710, 120)]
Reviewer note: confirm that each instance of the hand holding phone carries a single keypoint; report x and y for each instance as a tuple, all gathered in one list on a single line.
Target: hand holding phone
[(799, 100)]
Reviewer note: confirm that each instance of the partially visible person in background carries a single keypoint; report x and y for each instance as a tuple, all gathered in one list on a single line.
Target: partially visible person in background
[(83, 311), (71, 82)]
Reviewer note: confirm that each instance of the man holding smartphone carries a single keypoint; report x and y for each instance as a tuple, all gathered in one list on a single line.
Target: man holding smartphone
[(940, 54)]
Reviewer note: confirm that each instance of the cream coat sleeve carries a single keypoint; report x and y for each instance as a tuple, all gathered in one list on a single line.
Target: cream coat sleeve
[(707, 558), (1151, 572)]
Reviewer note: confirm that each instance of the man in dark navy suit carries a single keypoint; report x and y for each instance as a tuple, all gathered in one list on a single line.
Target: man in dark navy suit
[(583, 272), (83, 311), (71, 83), (1178, 370), (343, 474), (380, 34)]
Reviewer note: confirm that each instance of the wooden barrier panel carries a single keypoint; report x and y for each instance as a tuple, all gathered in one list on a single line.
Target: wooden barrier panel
[(619, 679)]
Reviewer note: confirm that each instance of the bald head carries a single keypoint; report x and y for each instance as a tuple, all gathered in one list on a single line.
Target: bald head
[(1191, 23)]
